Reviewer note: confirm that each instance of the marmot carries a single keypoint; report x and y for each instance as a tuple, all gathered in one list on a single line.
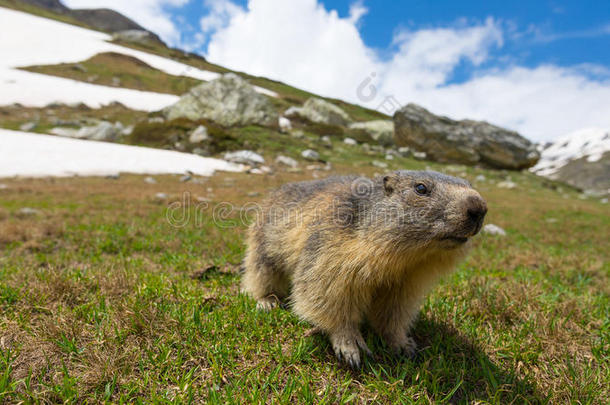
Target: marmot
[(349, 249)]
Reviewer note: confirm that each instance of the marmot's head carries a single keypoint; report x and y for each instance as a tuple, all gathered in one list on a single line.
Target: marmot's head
[(433, 208)]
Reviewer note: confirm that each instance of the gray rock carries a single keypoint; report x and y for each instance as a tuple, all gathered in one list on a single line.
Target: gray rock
[(284, 124), (320, 111), (381, 165), (467, 142), (104, 131), (287, 161), (228, 100), (420, 155), (507, 184), (161, 196), (28, 126), (246, 157), (492, 229), (150, 180), (27, 211), (350, 141), (404, 151), (185, 178), (480, 178), (381, 131), (136, 36), (200, 134), (389, 157), (310, 154), (201, 152)]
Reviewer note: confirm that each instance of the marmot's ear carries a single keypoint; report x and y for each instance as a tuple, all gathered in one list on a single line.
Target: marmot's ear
[(388, 184)]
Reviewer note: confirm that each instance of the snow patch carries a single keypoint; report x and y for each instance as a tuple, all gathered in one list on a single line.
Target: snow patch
[(35, 155), (31, 40), (591, 143)]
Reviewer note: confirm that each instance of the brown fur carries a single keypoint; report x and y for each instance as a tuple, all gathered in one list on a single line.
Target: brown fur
[(346, 249)]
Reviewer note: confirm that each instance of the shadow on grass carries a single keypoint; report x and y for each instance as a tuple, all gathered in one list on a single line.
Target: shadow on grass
[(448, 367)]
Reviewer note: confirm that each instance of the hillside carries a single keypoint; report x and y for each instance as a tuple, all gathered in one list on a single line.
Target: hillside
[(581, 159)]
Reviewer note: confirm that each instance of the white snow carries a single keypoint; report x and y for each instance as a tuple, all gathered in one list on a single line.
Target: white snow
[(591, 143), (27, 40), (37, 90), (35, 155)]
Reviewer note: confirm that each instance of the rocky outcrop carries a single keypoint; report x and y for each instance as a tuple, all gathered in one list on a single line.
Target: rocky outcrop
[(104, 131), (382, 131), (321, 112), (228, 100), (466, 142), (101, 19), (136, 36)]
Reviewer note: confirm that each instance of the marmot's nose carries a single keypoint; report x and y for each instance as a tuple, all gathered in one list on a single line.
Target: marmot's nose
[(476, 208)]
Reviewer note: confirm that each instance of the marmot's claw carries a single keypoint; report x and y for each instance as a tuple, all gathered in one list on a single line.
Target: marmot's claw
[(347, 350), (267, 303)]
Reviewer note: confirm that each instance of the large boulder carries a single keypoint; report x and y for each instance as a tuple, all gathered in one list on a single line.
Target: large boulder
[(228, 100), (321, 112), (382, 131), (468, 142)]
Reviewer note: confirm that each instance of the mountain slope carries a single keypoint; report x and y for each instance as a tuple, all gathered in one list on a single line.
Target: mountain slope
[(581, 159)]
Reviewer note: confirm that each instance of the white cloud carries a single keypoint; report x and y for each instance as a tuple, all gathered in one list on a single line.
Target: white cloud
[(148, 13), (302, 43)]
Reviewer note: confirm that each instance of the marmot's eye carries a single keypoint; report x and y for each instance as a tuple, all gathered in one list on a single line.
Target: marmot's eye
[(421, 189)]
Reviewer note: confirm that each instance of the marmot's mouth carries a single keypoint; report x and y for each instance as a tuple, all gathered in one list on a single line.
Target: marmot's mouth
[(457, 239)]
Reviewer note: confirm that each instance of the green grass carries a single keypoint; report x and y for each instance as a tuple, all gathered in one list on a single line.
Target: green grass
[(117, 70), (102, 300)]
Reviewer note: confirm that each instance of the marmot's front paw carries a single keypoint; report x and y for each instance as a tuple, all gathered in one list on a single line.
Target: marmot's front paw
[(347, 348), (267, 303)]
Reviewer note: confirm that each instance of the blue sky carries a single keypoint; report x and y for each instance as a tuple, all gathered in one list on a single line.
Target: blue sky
[(559, 32), (538, 67)]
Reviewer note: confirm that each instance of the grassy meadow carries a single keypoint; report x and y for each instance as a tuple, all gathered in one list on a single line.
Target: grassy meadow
[(105, 300)]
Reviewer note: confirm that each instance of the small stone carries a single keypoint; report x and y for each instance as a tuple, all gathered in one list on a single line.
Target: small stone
[(284, 124), (420, 155), (113, 176), (28, 211), (507, 184), (366, 147), (3, 186), (313, 167), (200, 134), (389, 157), (350, 141), (492, 229), (254, 194), (480, 178), (404, 151), (185, 178), (297, 134), (603, 200), (246, 157), (552, 220), (150, 180), (161, 196), (326, 139), (156, 120), (201, 152), (310, 154), (287, 161), (116, 81), (266, 169), (381, 165), (28, 126), (256, 171)]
